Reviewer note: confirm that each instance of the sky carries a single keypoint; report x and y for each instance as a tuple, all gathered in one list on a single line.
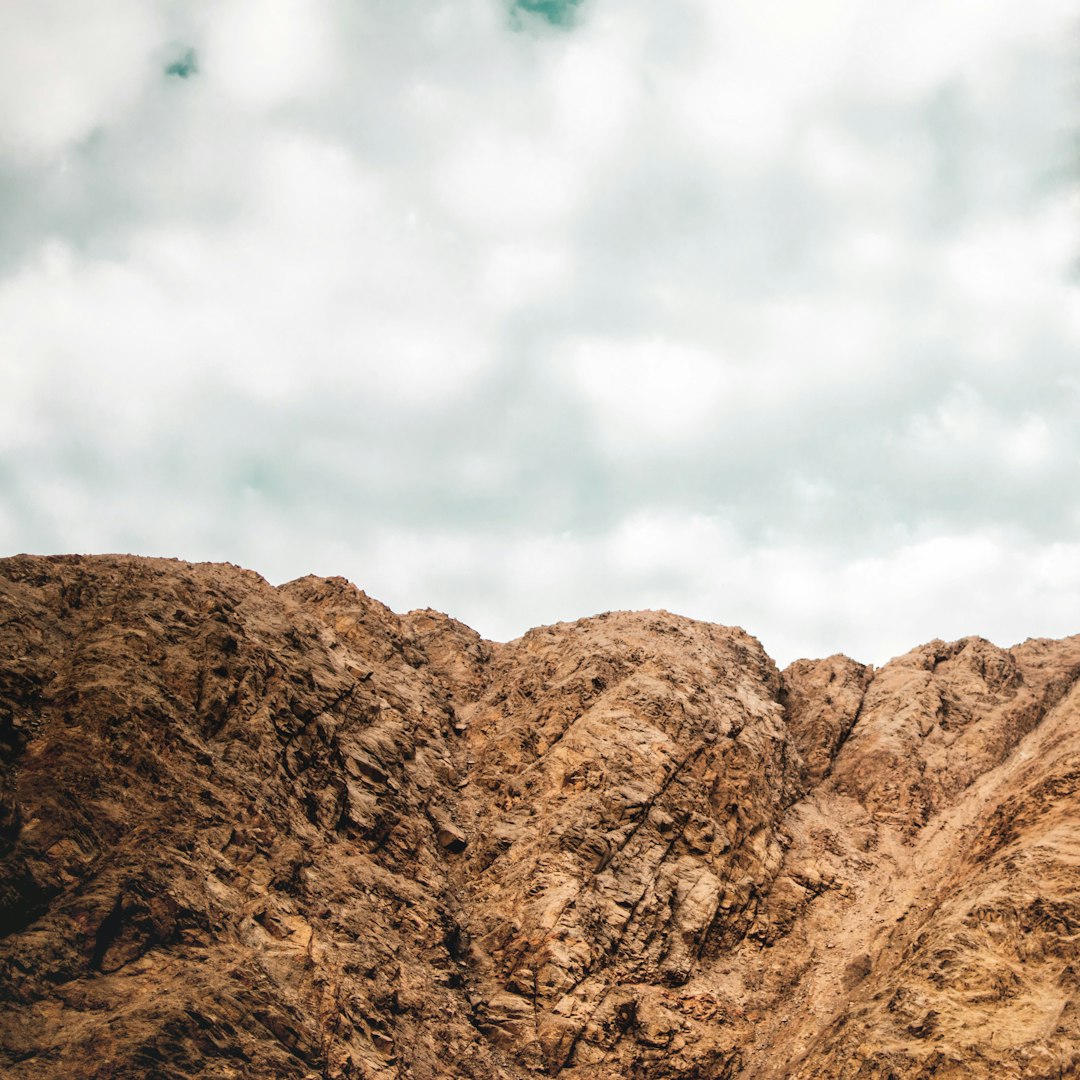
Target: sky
[(764, 312)]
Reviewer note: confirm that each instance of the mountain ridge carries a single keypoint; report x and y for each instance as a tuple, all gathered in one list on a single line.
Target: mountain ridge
[(259, 830)]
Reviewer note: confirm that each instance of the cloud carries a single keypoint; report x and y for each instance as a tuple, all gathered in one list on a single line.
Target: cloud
[(262, 56), (645, 395), (757, 311), (64, 72), (798, 601)]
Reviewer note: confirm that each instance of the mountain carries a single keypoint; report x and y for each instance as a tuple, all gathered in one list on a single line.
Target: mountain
[(250, 831)]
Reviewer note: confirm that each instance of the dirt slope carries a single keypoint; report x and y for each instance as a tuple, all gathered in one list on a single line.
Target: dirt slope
[(249, 831)]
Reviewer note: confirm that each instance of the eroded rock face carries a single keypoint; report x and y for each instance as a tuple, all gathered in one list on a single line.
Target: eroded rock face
[(257, 831)]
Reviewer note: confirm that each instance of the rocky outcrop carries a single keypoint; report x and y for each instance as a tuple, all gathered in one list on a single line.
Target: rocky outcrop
[(258, 831)]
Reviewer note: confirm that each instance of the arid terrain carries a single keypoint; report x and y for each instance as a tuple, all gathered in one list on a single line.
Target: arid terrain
[(250, 831)]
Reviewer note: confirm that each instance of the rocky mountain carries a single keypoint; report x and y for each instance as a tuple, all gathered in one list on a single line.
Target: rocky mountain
[(250, 831)]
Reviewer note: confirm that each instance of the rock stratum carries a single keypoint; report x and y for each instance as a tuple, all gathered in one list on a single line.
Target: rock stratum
[(250, 831)]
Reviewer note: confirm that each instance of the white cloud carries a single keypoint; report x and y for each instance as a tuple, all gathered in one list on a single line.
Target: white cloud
[(758, 311), (963, 432), (597, 87), (646, 394), (66, 70), (522, 273), (798, 601), (270, 53), (497, 181)]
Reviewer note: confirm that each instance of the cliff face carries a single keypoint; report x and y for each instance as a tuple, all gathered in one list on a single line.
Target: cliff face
[(256, 831)]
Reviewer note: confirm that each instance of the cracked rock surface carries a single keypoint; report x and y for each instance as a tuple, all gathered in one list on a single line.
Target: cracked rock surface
[(249, 831)]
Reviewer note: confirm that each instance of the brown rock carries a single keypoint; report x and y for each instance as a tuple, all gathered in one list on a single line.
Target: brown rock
[(249, 831)]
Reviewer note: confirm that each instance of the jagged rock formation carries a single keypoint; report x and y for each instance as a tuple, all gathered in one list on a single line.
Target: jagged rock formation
[(251, 831)]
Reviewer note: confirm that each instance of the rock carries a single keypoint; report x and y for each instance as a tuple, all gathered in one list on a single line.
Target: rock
[(258, 831), (451, 838)]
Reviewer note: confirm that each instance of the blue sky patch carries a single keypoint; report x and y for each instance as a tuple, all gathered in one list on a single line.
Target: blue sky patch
[(556, 12), (184, 66)]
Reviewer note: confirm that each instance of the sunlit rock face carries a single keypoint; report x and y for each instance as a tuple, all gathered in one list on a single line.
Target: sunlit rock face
[(258, 831)]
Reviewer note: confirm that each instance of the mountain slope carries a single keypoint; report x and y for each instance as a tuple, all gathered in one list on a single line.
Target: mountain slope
[(258, 831)]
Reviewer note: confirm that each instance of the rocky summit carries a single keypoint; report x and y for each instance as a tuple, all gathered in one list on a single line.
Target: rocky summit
[(250, 831)]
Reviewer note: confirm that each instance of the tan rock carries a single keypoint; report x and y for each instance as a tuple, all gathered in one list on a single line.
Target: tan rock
[(257, 831)]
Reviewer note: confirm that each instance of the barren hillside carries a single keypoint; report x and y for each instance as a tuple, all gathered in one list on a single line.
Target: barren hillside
[(250, 831)]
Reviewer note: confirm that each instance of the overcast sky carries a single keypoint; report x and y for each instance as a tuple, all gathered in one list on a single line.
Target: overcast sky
[(762, 311)]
